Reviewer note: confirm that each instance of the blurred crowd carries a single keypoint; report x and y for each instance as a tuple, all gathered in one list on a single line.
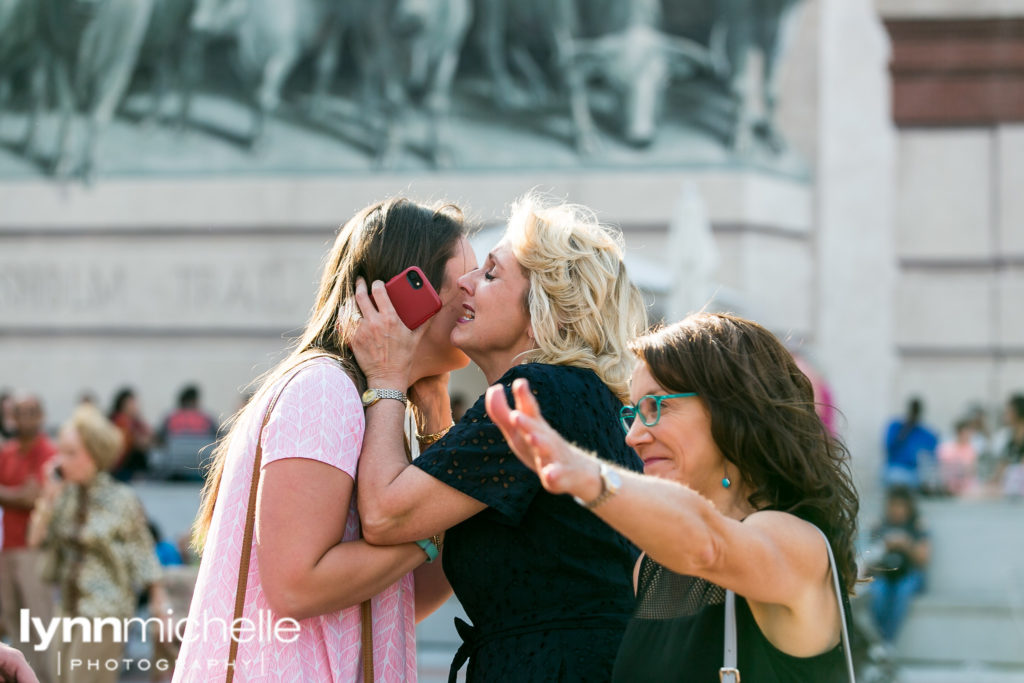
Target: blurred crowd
[(972, 460), (76, 541), (188, 427)]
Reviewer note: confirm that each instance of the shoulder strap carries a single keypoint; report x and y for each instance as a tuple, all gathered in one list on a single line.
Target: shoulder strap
[(243, 566), (730, 674)]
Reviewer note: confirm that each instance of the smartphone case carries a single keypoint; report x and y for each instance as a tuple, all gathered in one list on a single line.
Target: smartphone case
[(414, 306)]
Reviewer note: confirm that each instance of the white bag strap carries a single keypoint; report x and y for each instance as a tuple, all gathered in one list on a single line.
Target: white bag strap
[(730, 674)]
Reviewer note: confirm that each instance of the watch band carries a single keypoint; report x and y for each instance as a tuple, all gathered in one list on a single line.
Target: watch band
[(371, 396), (429, 547), (610, 483)]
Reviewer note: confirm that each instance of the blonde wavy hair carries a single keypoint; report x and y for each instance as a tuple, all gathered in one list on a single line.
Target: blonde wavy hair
[(102, 439), (582, 305)]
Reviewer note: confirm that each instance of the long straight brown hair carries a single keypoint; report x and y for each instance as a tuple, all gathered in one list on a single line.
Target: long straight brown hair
[(763, 420), (377, 243)]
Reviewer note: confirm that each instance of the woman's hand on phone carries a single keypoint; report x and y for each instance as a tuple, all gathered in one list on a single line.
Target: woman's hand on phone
[(383, 346)]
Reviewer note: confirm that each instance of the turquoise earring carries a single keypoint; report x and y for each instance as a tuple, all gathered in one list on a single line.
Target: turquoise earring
[(725, 482)]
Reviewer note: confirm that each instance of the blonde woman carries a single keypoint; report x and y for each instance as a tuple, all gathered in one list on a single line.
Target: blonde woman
[(307, 561), (547, 586), (97, 547)]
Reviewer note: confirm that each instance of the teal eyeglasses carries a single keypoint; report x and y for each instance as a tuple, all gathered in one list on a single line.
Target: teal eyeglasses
[(648, 408)]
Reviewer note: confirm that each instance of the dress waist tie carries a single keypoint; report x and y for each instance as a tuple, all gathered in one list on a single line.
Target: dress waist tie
[(473, 639)]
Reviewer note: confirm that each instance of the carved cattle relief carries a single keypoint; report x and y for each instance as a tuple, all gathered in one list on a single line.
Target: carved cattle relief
[(219, 86)]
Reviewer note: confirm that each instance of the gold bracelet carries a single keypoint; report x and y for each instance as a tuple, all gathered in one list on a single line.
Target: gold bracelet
[(428, 439)]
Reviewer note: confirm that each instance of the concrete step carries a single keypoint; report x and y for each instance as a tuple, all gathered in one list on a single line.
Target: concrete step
[(951, 631), (958, 674), (973, 611)]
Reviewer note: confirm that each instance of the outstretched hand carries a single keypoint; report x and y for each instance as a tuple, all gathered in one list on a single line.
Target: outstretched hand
[(383, 346), (13, 666), (561, 466)]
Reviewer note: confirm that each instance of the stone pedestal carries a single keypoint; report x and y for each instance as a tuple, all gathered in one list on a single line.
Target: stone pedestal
[(855, 251), (155, 283)]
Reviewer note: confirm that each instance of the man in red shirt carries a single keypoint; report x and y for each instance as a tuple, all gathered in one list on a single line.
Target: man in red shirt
[(21, 475)]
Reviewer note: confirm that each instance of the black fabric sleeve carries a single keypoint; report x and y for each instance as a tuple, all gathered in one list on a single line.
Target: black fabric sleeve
[(474, 458)]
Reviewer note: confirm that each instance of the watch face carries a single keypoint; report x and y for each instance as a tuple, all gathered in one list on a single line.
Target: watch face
[(613, 482), (369, 396)]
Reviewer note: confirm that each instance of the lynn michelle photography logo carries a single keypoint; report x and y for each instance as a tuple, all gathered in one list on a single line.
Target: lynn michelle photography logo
[(63, 630)]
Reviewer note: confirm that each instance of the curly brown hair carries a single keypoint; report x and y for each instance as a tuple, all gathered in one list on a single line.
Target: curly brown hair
[(763, 420)]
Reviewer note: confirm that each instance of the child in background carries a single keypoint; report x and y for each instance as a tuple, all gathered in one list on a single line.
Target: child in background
[(958, 459)]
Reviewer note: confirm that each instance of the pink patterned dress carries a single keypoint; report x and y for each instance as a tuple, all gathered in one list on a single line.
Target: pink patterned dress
[(319, 416)]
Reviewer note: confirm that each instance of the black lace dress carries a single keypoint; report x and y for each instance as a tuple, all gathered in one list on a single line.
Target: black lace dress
[(678, 634), (547, 585)]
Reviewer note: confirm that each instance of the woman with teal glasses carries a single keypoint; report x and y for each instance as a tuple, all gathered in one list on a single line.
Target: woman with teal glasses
[(746, 483)]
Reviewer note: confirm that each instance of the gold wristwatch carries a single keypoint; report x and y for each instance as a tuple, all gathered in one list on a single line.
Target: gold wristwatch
[(371, 396)]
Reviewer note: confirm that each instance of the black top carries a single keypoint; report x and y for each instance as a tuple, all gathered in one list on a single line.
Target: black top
[(678, 634), (547, 585)]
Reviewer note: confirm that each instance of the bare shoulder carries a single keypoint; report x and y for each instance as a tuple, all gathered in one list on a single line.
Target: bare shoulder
[(798, 538), (785, 522)]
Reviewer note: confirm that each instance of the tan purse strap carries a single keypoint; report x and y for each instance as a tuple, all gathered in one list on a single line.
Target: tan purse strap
[(243, 565), (366, 614)]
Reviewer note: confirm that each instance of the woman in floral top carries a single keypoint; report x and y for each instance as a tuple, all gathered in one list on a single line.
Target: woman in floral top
[(99, 551)]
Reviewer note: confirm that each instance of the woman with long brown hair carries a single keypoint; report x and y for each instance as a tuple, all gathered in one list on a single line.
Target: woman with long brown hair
[(308, 562), (744, 481)]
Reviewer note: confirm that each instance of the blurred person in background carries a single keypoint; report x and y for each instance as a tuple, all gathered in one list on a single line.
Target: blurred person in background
[(179, 581), (96, 546), (901, 550), (981, 439), (910, 449), (958, 460), (1010, 471), (189, 419), (823, 401), (22, 463), (166, 552), (6, 416), (186, 438), (137, 435)]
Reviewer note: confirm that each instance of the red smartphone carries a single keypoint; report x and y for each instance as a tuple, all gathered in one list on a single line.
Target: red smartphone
[(413, 297)]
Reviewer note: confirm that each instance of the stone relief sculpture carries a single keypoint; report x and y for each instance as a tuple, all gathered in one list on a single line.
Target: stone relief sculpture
[(20, 52), (618, 43), (732, 30), (92, 49), (410, 50), (164, 54), (269, 38), (619, 67)]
